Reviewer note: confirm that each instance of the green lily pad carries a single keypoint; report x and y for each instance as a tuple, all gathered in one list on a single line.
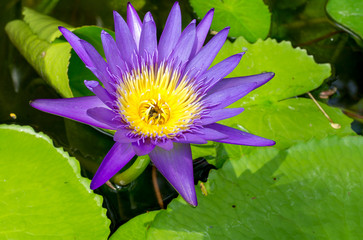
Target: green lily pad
[(348, 13), (291, 121), (45, 27), (136, 228), (268, 110), (312, 190), (250, 19), (295, 71), (43, 193), (38, 39), (33, 37)]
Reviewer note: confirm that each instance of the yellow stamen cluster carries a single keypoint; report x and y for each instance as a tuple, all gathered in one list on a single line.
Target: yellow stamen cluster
[(157, 101)]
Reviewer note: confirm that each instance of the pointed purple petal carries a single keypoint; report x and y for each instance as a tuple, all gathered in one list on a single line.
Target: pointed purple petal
[(93, 61), (77, 46), (167, 145), (185, 45), (202, 61), (203, 29), (148, 41), (142, 148), (104, 115), (119, 155), (220, 114), (190, 138), (100, 92), (134, 23), (171, 33), (124, 40), (239, 137), (211, 134), (112, 53), (240, 82), (122, 136), (224, 97), (221, 70), (176, 166), (99, 64), (72, 108)]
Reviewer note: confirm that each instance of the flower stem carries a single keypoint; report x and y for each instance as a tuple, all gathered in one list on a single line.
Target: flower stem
[(156, 187), (132, 172)]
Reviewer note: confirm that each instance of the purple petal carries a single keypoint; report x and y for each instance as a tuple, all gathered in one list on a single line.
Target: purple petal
[(176, 166), (148, 40), (240, 82), (134, 23), (142, 148), (105, 115), (100, 66), (185, 45), (239, 137), (220, 114), (122, 136), (124, 40), (221, 70), (93, 61), (112, 53), (210, 134), (72, 108), (224, 97), (204, 58), (100, 92), (171, 33), (167, 145), (203, 28), (119, 155), (77, 46), (190, 138)]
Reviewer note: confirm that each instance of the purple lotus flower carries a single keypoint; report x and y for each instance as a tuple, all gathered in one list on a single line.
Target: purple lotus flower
[(159, 97)]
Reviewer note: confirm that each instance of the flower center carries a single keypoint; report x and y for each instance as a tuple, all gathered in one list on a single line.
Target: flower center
[(154, 112), (157, 102)]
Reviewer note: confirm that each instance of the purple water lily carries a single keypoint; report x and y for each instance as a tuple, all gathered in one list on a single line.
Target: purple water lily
[(159, 97)]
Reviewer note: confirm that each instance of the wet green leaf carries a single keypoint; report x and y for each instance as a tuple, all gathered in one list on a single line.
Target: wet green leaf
[(32, 37), (295, 71), (43, 193), (43, 26), (267, 112), (349, 13), (291, 121), (136, 228), (312, 190), (250, 19), (38, 39)]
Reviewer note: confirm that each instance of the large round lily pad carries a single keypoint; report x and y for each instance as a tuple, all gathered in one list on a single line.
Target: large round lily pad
[(250, 19), (43, 195), (311, 191)]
